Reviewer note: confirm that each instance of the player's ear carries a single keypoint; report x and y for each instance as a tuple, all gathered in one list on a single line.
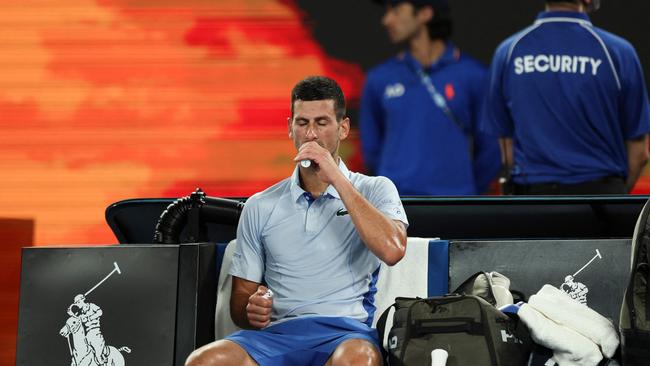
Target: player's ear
[(344, 128), (289, 127)]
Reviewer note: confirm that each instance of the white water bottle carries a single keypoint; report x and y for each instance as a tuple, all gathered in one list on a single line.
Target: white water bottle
[(439, 357)]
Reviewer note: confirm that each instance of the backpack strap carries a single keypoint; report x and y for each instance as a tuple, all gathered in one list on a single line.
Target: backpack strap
[(381, 329), (640, 247), (642, 267)]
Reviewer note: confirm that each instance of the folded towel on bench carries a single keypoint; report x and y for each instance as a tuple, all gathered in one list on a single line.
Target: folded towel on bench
[(556, 305), (569, 347)]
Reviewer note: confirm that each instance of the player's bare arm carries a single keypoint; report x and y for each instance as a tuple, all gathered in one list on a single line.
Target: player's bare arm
[(385, 237), (249, 308)]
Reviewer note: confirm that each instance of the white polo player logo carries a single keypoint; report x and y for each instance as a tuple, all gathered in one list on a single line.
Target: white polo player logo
[(83, 332), (577, 290)]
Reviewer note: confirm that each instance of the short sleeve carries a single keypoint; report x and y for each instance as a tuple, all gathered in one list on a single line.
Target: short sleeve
[(635, 111), (496, 119), (384, 196), (248, 257)]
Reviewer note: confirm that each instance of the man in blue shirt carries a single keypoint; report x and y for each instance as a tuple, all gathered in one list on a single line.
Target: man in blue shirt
[(315, 240), (569, 101), (420, 109)]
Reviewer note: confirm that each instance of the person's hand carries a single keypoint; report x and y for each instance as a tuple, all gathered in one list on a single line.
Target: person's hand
[(322, 161), (258, 310)]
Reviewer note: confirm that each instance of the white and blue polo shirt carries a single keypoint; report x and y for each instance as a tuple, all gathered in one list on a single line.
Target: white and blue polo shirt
[(308, 250), (570, 95)]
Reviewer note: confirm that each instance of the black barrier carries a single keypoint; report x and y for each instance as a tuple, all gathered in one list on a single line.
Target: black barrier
[(153, 303), (598, 268), (134, 221)]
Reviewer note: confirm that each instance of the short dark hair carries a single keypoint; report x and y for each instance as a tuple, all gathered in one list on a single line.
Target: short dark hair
[(591, 7), (319, 88), (440, 26)]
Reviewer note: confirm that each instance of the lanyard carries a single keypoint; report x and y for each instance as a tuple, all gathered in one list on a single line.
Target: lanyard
[(441, 103), (438, 99)]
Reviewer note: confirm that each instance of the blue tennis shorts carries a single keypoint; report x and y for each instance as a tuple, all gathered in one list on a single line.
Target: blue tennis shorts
[(302, 341)]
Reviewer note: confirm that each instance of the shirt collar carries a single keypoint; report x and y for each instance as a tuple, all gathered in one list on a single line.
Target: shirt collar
[(297, 191), (546, 16), (450, 55)]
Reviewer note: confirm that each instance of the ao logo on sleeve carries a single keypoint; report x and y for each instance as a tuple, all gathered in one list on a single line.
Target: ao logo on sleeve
[(394, 90)]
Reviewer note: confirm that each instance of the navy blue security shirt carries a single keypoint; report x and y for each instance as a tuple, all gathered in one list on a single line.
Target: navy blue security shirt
[(406, 137), (570, 95)]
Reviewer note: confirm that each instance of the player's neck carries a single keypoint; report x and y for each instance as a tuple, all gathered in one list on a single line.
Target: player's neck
[(310, 182), (578, 8), (426, 50)]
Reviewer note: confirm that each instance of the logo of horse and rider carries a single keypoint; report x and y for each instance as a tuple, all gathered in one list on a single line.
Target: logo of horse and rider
[(83, 331), (578, 290)]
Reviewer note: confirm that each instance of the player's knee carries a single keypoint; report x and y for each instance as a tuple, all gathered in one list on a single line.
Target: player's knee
[(196, 358), (356, 352), (206, 356)]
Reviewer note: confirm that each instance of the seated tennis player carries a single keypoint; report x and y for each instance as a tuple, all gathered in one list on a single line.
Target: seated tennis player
[(315, 240)]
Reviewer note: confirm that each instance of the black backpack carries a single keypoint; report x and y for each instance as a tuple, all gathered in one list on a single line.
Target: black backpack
[(471, 330), (634, 322)]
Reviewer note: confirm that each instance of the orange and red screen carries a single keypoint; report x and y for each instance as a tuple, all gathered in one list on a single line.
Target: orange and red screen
[(104, 100)]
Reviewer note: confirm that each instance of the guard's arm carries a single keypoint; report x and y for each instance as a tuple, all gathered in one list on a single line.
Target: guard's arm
[(507, 158), (486, 162), (507, 161), (249, 309), (637, 156)]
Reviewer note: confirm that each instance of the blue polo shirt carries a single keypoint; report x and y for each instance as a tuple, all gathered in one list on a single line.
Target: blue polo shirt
[(570, 95), (309, 252), (406, 137)]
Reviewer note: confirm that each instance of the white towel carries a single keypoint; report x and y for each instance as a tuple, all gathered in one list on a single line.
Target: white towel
[(569, 347), (223, 324), (556, 305), (408, 278)]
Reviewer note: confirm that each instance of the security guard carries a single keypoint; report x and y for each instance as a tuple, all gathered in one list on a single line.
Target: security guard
[(420, 110), (569, 100)]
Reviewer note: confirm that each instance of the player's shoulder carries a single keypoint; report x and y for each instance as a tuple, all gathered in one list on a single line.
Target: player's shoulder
[(367, 184), (268, 198)]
